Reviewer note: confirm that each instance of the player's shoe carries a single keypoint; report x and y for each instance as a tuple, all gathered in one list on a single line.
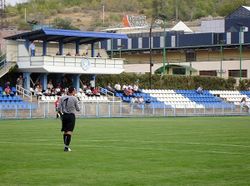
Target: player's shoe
[(67, 149)]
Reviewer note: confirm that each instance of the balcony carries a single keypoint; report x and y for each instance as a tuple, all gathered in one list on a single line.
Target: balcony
[(70, 64)]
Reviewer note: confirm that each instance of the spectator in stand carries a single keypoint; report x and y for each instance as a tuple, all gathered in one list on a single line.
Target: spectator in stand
[(84, 86), (141, 100), (19, 81), (38, 91), (47, 92), (117, 87), (86, 53), (96, 91), (109, 88), (7, 90), (243, 104), (32, 49), (133, 100), (7, 84), (50, 85), (80, 93), (88, 92), (147, 100), (136, 88), (92, 84), (58, 89), (53, 92), (98, 54), (128, 91), (199, 90), (124, 87), (68, 54)]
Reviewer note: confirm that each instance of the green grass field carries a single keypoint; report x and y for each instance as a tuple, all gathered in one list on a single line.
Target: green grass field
[(137, 151)]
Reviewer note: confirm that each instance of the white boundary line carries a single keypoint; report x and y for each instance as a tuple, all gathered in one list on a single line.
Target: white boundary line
[(126, 147)]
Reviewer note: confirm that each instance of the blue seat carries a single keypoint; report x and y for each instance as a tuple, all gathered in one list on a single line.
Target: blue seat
[(13, 89)]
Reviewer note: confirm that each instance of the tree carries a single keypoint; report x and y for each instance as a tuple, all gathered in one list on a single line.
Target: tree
[(63, 24)]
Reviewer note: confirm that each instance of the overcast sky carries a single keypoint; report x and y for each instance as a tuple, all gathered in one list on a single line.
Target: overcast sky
[(13, 2)]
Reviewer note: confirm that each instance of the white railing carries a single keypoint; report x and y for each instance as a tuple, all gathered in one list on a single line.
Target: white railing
[(69, 61), (116, 109), (23, 92), (5, 65), (108, 93)]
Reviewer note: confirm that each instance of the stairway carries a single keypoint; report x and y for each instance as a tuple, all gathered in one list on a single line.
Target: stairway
[(5, 67)]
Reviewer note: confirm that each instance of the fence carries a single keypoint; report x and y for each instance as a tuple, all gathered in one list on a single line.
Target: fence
[(119, 109)]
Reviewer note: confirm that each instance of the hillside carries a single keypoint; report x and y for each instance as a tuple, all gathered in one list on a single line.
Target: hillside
[(88, 14)]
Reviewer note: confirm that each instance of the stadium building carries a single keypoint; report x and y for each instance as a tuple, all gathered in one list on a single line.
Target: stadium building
[(220, 48), (60, 52)]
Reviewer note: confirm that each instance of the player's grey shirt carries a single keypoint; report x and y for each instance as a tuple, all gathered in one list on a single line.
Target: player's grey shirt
[(69, 104)]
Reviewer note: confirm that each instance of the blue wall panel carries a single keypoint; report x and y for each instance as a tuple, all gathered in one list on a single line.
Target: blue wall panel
[(182, 40), (233, 25), (168, 40), (194, 39), (115, 44), (156, 42), (247, 37), (235, 38), (104, 44), (219, 38), (135, 43), (124, 43), (145, 42)]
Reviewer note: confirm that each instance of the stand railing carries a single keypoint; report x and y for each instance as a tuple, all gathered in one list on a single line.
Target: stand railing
[(5, 66), (23, 92), (117, 109)]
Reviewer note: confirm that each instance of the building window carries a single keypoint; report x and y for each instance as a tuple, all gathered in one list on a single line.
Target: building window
[(190, 56), (208, 73), (236, 73)]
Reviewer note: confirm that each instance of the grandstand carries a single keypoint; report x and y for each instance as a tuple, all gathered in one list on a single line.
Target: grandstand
[(221, 50), (90, 58), (159, 98)]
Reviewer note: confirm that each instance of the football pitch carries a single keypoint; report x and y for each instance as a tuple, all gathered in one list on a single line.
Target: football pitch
[(127, 151)]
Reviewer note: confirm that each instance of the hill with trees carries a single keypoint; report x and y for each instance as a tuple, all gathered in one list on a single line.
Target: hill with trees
[(94, 14)]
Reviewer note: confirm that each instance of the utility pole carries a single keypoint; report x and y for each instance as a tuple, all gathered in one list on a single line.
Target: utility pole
[(176, 10), (221, 56), (164, 57), (150, 53), (240, 40), (103, 12)]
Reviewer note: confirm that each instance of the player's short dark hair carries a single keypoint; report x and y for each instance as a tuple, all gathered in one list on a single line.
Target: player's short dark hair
[(71, 90)]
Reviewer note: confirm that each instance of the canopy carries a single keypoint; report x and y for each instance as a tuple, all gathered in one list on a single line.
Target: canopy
[(66, 36)]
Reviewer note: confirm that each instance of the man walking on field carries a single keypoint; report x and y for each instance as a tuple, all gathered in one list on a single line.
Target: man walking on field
[(68, 105)]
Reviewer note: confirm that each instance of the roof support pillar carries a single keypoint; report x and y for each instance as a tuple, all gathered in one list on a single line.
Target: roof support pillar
[(27, 43), (44, 80), (60, 47), (26, 76), (92, 49), (77, 47), (44, 48), (76, 81), (92, 81)]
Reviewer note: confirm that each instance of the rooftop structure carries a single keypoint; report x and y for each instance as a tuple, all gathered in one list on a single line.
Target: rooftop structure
[(62, 51)]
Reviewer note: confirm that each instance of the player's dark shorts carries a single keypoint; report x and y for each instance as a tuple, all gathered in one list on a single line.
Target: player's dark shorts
[(68, 122)]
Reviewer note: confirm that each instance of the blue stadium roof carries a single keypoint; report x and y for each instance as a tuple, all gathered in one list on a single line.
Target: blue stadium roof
[(66, 36)]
